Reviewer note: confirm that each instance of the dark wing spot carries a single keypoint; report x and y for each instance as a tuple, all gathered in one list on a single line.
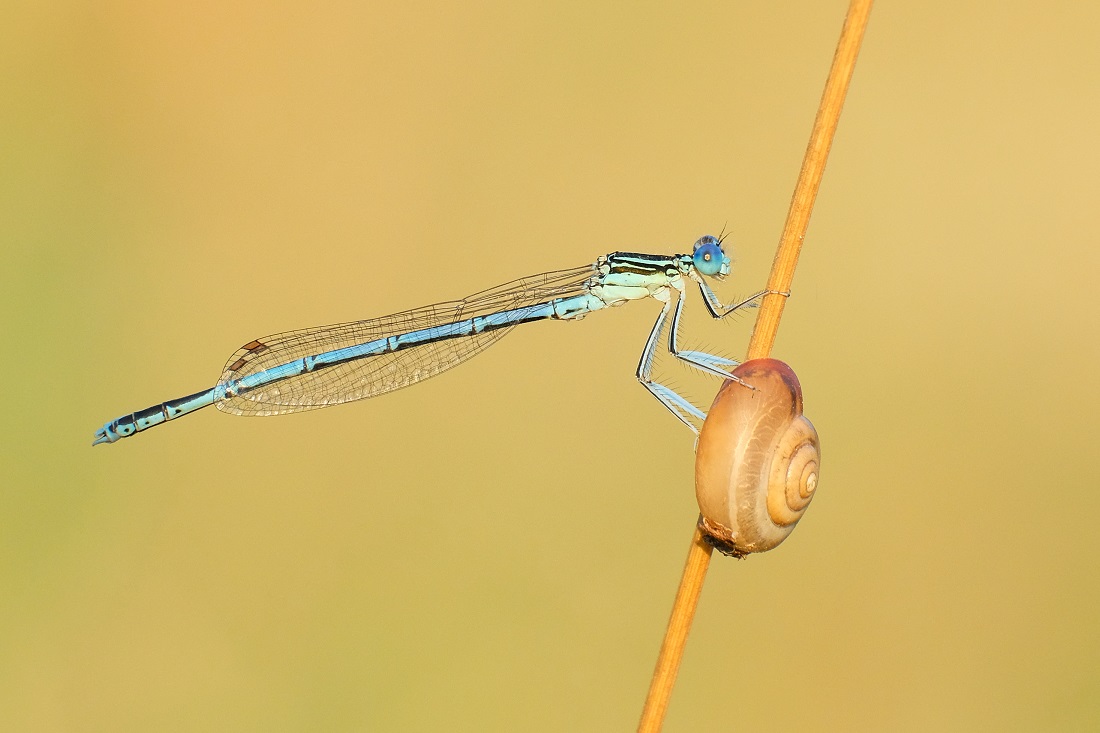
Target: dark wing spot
[(251, 349)]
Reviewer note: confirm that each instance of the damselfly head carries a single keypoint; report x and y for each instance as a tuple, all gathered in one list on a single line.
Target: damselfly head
[(709, 257)]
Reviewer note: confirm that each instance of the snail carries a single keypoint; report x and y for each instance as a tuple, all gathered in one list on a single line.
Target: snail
[(756, 464)]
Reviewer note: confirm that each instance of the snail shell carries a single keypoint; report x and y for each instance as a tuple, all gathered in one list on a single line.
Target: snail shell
[(756, 464)]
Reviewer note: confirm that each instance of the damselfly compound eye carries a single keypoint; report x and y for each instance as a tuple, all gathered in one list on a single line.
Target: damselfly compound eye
[(708, 257)]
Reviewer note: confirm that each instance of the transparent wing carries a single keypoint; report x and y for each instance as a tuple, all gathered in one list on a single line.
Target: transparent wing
[(375, 375)]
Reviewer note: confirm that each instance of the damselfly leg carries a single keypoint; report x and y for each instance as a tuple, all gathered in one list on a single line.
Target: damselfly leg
[(718, 366), (677, 405)]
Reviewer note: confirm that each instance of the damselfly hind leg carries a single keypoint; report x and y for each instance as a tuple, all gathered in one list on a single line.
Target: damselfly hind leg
[(676, 404)]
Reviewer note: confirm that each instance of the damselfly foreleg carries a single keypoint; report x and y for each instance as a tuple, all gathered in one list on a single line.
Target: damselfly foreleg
[(718, 310)]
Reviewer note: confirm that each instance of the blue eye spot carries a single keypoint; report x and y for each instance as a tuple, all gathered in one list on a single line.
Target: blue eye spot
[(708, 257)]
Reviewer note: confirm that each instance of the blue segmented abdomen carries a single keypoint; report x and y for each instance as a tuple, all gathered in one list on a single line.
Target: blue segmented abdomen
[(128, 425), (334, 376)]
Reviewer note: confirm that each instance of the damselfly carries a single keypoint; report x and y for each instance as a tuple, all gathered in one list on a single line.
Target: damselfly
[(318, 367)]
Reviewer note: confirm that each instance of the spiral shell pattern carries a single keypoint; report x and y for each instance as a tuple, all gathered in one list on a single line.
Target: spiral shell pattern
[(757, 462)]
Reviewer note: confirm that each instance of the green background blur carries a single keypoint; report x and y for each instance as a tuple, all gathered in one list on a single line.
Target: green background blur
[(497, 549)]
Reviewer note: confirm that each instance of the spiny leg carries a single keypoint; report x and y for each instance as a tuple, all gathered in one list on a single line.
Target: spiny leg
[(718, 310), (709, 363), (676, 404), (703, 361)]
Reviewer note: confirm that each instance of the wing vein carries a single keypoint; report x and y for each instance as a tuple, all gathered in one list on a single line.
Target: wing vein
[(371, 376)]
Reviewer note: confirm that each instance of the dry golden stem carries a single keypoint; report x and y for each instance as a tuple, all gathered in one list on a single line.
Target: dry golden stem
[(763, 337), (679, 624), (809, 180)]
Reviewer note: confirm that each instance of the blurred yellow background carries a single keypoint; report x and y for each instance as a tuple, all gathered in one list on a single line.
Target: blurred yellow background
[(497, 548)]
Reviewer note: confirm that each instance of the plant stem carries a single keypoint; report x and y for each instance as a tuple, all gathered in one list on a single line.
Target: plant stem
[(760, 345)]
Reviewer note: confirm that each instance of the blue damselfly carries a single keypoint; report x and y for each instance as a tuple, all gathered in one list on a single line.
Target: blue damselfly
[(329, 365)]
